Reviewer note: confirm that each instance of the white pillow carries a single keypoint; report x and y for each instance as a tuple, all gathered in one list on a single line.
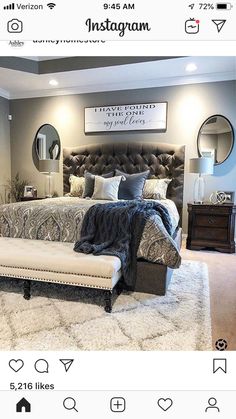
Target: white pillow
[(155, 188), (76, 185), (106, 188)]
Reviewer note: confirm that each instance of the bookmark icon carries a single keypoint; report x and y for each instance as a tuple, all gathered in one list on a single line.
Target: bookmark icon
[(219, 364)]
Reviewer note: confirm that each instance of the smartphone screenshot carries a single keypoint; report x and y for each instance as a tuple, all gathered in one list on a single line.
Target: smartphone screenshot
[(117, 209)]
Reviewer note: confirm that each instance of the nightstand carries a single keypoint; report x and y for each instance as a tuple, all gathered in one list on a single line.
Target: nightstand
[(211, 226)]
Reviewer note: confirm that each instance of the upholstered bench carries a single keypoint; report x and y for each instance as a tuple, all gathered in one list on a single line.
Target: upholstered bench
[(57, 262)]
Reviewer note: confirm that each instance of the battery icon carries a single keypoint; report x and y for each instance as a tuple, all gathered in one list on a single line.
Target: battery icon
[(224, 6)]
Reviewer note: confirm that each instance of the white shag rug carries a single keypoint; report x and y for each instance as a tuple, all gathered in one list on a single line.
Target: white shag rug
[(67, 318)]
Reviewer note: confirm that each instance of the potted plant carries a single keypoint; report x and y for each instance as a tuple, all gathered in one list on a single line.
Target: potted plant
[(16, 187)]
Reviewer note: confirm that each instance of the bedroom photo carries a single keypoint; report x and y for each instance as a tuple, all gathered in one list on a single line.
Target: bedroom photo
[(117, 203)]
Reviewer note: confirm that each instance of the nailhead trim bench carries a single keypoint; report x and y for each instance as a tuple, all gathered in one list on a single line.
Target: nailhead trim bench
[(56, 262)]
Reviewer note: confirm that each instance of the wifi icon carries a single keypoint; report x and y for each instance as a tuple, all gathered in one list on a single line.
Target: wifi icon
[(51, 5)]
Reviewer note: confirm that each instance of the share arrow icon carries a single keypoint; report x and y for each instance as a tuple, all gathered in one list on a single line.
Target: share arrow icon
[(219, 24), (67, 363)]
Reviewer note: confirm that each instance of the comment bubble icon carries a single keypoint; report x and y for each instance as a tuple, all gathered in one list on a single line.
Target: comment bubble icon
[(41, 366)]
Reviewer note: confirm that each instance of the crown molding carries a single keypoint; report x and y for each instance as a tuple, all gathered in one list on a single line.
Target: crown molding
[(131, 85), (5, 94)]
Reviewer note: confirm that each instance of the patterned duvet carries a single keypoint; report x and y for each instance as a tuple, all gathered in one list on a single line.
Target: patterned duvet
[(60, 219)]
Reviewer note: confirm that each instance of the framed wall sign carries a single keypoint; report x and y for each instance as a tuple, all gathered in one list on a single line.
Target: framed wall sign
[(135, 117)]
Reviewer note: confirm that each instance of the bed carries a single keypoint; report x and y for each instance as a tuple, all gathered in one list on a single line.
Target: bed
[(163, 161), (60, 219)]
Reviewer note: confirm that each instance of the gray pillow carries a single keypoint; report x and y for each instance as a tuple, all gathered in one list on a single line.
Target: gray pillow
[(132, 188), (89, 183)]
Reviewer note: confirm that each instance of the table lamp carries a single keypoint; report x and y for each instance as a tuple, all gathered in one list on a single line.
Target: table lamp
[(202, 166), (48, 166)]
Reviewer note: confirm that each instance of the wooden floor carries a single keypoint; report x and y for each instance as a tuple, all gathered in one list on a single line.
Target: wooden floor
[(222, 278)]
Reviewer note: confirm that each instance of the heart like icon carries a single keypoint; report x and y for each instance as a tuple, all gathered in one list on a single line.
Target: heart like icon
[(16, 364), (165, 404)]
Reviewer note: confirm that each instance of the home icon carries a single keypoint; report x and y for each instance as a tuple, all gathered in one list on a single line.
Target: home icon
[(23, 406)]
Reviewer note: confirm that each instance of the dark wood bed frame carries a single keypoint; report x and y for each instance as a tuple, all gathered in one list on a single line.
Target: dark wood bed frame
[(163, 160)]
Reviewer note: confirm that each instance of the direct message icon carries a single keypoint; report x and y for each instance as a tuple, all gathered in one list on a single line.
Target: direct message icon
[(67, 363), (219, 24), (219, 364)]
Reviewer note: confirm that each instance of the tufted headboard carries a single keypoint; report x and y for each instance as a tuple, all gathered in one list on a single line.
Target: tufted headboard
[(163, 160)]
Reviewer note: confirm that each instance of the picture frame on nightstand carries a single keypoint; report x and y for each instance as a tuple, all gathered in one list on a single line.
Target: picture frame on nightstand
[(30, 192), (230, 195)]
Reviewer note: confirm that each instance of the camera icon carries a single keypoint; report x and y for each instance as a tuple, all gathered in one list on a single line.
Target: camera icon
[(15, 26)]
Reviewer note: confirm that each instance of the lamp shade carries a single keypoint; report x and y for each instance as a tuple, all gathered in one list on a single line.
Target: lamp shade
[(49, 166), (202, 165)]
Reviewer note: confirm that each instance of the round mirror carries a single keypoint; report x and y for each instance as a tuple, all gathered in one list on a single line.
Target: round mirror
[(47, 143), (216, 138)]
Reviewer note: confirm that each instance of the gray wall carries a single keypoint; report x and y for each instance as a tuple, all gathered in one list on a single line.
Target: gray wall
[(5, 155), (188, 107)]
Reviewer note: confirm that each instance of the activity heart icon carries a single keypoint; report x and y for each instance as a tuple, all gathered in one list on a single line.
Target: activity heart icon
[(165, 404), (16, 364)]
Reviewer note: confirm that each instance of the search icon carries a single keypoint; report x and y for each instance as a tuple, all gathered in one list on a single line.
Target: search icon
[(70, 404)]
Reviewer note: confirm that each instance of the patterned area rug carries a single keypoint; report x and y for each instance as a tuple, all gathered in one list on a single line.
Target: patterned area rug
[(67, 318)]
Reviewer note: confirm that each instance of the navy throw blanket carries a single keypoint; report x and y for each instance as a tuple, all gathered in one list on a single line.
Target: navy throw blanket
[(116, 229)]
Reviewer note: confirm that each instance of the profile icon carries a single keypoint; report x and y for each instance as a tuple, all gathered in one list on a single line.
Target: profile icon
[(212, 402)]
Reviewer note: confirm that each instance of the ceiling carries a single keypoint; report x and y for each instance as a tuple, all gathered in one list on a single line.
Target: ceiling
[(216, 125), (16, 84)]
